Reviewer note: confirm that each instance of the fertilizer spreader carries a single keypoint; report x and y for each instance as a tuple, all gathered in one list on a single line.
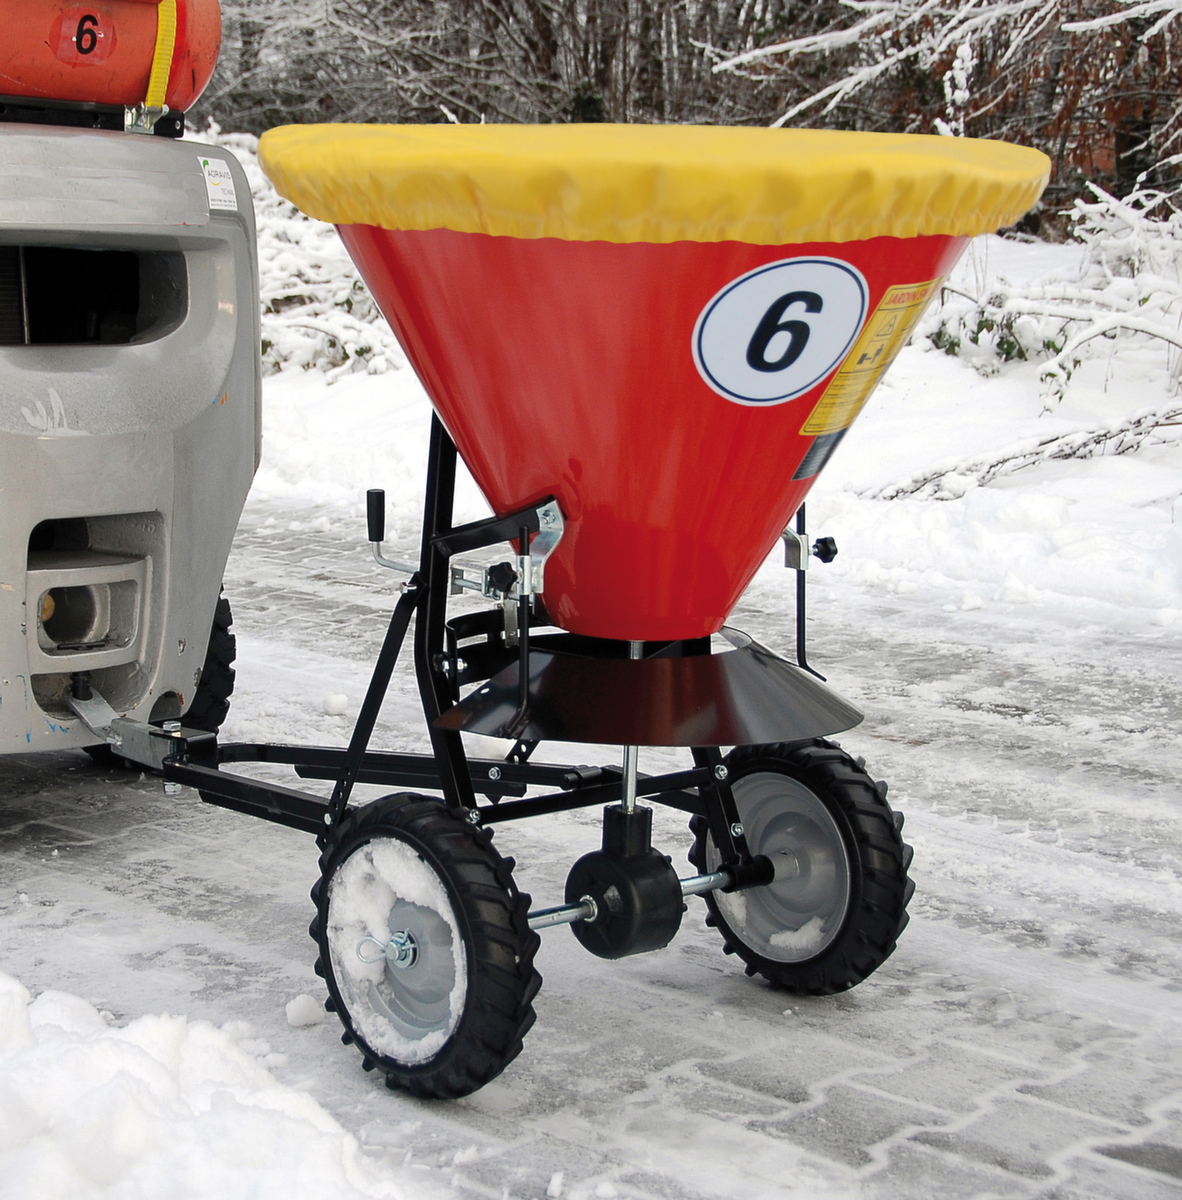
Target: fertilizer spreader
[(645, 343)]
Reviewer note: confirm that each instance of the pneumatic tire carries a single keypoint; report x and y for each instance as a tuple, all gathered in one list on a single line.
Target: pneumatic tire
[(442, 1009), (211, 700), (839, 900)]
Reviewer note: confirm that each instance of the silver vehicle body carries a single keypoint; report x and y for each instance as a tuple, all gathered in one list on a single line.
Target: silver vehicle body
[(126, 453)]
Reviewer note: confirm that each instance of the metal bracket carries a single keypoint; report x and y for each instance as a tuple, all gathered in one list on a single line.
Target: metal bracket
[(467, 575), (474, 577), (796, 549), (533, 561), (98, 716), (142, 119), (135, 740)]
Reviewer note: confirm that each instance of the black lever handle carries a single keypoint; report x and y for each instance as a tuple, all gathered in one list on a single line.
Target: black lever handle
[(375, 514)]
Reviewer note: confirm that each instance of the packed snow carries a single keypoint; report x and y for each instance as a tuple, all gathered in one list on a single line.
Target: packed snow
[(159, 1106), (380, 888), (1008, 618)]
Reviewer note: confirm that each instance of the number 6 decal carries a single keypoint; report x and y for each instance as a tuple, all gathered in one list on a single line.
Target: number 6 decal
[(798, 332), (775, 332), (84, 37)]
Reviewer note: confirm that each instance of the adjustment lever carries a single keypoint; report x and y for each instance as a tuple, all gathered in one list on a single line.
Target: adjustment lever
[(375, 518)]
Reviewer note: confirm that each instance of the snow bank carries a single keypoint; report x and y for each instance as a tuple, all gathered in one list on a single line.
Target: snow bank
[(161, 1107)]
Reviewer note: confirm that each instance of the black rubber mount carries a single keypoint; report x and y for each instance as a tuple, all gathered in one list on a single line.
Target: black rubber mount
[(635, 889)]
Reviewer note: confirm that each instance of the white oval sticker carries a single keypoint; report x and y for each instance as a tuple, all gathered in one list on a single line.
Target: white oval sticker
[(777, 331)]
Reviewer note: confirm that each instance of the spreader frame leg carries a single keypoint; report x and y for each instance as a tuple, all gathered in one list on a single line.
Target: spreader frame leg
[(430, 627)]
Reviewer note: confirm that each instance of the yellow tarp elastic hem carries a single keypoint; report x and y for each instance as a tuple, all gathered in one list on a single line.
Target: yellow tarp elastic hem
[(652, 183)]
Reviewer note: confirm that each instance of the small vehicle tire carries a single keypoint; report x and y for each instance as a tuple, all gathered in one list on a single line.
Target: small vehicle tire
[(211, 701), (452, 1016), (839, 902)]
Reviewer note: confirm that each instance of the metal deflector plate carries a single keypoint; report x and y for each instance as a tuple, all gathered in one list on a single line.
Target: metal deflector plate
[(744, 696)]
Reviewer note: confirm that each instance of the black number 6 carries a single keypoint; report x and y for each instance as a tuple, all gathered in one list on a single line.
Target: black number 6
[(86, 35), (772, 323)]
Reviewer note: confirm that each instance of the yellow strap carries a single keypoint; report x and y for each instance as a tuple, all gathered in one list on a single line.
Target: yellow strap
[(162, 58)]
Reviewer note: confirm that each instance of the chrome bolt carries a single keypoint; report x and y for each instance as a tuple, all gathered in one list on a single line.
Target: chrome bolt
[(171, 726), (171, 789), (720, 771), (473, 816), (494, 772), (197, 677), (402, 950), (328, 818), (737, 829)]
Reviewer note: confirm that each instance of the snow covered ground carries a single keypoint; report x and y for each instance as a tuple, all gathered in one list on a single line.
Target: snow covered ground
[(1017, 648)]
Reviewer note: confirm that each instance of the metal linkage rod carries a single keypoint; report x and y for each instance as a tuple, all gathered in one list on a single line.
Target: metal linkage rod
[(695, 885), (631, 753)]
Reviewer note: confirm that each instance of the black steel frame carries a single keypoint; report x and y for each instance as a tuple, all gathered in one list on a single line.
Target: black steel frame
[(199, 760)]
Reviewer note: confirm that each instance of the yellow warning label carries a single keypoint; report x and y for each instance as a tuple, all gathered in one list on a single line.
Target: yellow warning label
[(883, 336)]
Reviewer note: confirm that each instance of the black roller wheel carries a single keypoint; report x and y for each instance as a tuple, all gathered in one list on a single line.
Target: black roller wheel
[(425, 946), (839, 900)]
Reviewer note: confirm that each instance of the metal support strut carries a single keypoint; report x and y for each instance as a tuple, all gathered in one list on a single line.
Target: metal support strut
[(631, 753)]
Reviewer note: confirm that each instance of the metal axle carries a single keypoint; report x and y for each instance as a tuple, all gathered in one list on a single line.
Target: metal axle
[(588, 910)]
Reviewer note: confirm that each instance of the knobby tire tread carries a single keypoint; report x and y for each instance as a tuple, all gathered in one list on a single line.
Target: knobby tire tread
[(211, 701), (493, 917), (879, 857)]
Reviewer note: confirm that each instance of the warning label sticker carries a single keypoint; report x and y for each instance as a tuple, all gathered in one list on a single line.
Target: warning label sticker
[(219, 184), (883, 336)]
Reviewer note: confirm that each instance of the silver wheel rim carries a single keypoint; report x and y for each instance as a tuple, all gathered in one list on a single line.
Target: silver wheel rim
[(415, 999), (799, 914), (403, 1010)]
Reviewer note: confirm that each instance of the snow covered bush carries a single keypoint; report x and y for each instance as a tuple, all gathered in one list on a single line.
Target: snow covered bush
[(1126, 289), (316, 311)]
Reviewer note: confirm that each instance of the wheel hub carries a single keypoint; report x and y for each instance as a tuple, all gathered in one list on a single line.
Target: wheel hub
[(400, 952), (803, 909)]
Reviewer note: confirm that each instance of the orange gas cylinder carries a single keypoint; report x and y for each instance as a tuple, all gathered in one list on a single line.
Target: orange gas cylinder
[(105, 52)]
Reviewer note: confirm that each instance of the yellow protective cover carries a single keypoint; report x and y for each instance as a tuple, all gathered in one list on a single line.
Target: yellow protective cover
[(652, 183)]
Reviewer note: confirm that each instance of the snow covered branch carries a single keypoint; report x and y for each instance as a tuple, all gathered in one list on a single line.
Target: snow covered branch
[(950, 481), (1129, 286)]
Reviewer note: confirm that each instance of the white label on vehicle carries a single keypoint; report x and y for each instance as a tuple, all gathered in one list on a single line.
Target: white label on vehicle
[(219, 184), (777, 331)]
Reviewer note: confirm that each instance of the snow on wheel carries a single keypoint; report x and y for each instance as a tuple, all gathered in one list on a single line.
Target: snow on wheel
[(425, 946), (838, 902)]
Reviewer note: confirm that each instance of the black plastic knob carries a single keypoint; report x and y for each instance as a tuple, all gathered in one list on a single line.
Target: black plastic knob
[(825, 549), (375, 514), (502, 577)]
